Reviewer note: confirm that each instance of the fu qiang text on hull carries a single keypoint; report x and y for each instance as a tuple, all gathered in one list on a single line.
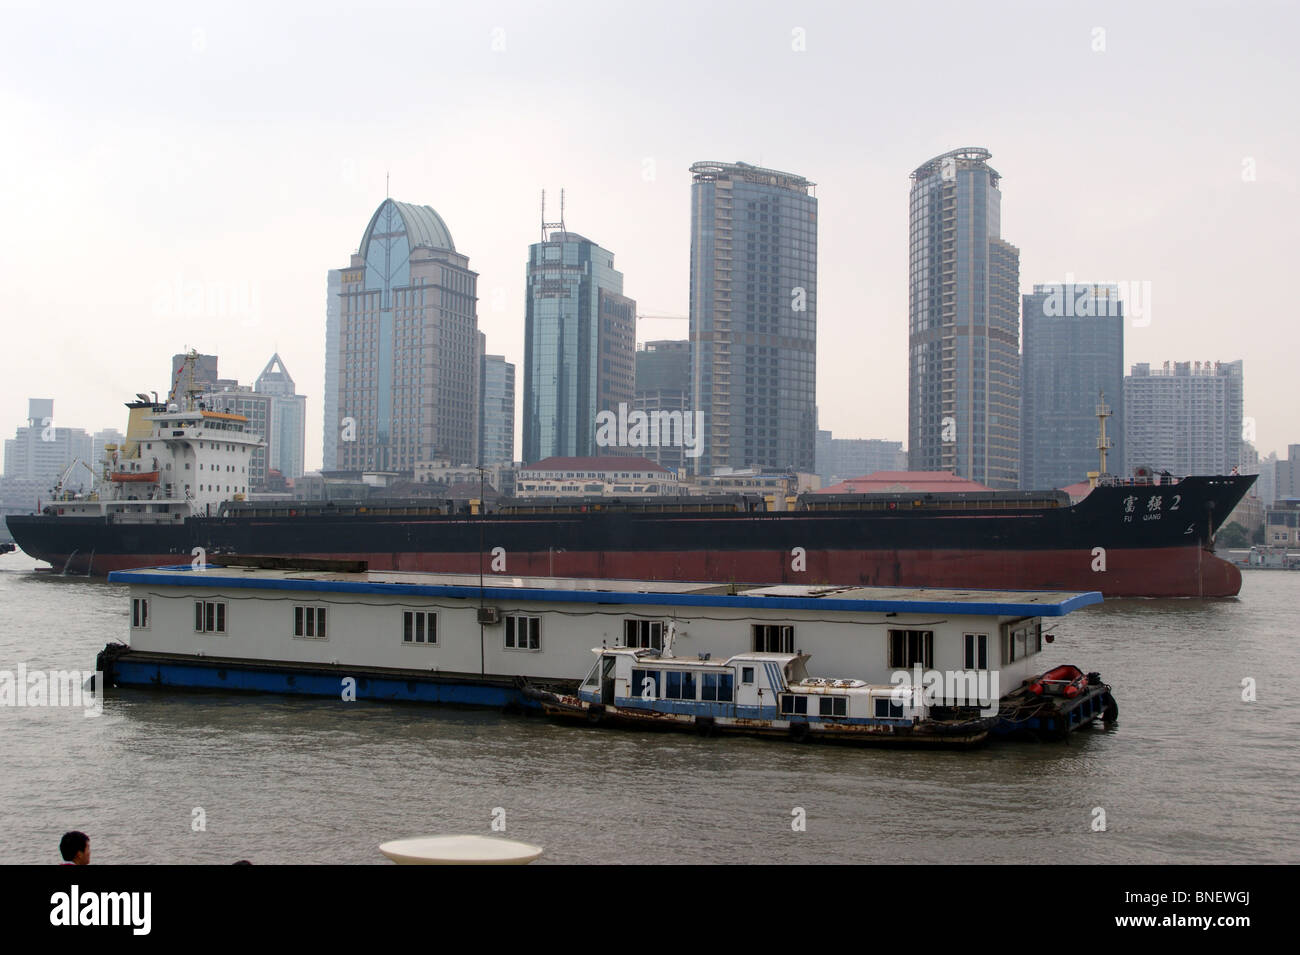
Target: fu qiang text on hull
[(442, 638)]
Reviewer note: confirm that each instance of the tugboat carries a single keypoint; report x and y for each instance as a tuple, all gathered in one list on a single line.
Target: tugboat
[(754, 694), (771, 694)]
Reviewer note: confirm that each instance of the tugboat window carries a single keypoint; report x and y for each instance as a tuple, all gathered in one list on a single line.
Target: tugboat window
[(794, 704), (747, 675), (833, 706), (680, 685), (645, 682), (717, 687)]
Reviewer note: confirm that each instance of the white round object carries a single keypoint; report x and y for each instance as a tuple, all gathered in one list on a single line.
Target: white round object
[(460, 850)]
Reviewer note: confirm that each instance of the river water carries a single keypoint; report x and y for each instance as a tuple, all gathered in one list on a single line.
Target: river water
[(1190, 773)]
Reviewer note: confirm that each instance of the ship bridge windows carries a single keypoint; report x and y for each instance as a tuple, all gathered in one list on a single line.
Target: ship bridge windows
[(910, 648), (772, 638)]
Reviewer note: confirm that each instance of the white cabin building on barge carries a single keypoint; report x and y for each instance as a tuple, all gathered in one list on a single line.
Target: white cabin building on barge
[(443, 638)]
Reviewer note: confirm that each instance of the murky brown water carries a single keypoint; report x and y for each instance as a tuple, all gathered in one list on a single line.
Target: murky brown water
[(1190, 774)]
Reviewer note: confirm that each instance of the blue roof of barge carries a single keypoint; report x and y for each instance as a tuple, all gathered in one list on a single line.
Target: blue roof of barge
[(657, 592)]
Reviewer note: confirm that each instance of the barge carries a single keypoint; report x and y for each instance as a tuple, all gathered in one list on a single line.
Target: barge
[(506, 642)]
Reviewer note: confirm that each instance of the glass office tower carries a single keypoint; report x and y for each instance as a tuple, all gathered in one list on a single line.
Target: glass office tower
[(579, 346)]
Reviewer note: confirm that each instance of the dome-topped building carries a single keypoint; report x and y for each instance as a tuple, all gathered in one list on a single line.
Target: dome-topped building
[(402, 347)]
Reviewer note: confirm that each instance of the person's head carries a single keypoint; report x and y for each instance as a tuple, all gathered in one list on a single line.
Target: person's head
[(75, 847)]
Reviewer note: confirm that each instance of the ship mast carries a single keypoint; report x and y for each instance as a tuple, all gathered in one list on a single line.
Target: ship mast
[(1104, 443)]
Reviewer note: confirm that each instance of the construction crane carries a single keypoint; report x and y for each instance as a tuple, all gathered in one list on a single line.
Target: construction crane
[(663, 318)]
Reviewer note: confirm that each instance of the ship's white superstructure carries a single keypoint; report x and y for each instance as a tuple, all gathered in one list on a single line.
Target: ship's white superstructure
[(179, 459)]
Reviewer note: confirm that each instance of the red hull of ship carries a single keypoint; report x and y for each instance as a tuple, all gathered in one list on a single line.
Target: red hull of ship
[(1138, 572)]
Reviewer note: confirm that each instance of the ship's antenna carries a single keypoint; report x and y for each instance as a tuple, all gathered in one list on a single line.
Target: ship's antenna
[(1104, 443)]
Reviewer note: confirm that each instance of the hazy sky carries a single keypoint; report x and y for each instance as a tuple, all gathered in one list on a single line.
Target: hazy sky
[(243, 147)]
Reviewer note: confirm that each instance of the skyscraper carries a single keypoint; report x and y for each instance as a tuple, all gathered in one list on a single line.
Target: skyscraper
[(286, 438), (1074, 350), (403, 380), (579, 343), (753, 317), (1186, 419), (663, 385), (964, 323), (497, 440)]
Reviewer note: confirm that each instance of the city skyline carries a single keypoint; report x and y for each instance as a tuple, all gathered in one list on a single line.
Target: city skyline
[(226, 185)]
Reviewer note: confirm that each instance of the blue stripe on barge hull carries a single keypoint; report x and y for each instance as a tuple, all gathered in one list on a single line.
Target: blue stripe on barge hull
[(203, 676)]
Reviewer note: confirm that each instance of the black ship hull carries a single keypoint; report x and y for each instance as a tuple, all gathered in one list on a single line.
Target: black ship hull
[(1123, 540)]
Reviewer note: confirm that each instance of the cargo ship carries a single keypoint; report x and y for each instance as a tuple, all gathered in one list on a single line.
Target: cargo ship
[(177, 489)]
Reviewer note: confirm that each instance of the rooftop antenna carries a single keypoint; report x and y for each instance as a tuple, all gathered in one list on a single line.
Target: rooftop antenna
[(553, 225), (387, 194)]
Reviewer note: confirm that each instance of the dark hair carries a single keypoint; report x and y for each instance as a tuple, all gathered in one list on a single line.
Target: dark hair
[(72, 843)]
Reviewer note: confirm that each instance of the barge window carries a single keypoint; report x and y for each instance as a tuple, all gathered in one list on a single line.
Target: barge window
[(773, 638), (420, 626), (794, 704), (645, 684), (1022, 640), (523, 633), (209, 616), (679, 685), (977, 651), (909, 648), (646, 634), (717, 687), (834, 706), (309, 622), (140, 613)]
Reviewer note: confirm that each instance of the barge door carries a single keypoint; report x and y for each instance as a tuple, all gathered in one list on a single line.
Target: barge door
[(607, 681)]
